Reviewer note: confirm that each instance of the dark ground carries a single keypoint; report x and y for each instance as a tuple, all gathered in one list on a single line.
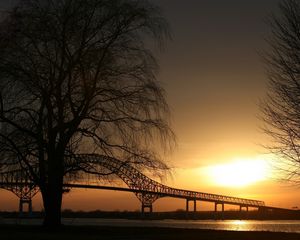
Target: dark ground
[(134, 233)]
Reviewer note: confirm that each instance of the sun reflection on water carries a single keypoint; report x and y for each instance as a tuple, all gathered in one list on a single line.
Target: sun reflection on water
[(238, 222)]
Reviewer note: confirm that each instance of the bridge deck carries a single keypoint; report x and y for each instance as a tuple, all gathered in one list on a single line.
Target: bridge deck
[(146, 189), (179, 193), (176, 193)]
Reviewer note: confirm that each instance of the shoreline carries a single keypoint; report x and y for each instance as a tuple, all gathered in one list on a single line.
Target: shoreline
[(24, 232), (176, 215)]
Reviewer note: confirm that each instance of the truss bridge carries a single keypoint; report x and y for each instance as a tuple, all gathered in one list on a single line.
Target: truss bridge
[(145, 189)]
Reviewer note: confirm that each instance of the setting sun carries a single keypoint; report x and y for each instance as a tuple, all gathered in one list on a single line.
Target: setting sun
[(239, 173)]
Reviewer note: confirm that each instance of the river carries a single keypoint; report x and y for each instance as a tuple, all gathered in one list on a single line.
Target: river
[(235, 225)]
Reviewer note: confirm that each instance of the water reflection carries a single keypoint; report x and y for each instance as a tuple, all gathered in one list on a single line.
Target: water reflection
[(250, 225)]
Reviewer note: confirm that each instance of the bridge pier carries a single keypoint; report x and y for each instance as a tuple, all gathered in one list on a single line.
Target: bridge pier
[(216, 209), (187, 204), (244, 214), (21, 204), (241, 208), (216, 206), (145, 206)]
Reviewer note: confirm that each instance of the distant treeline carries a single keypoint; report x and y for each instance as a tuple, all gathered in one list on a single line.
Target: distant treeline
[(179, 214)]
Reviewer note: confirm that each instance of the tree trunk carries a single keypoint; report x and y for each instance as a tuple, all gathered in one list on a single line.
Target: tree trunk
[(52, 199)]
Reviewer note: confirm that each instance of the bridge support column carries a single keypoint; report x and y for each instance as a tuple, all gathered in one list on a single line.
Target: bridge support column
[(187, 204), (21, 204), (241, 208), (216, 206), (145, 206), (216, 210)]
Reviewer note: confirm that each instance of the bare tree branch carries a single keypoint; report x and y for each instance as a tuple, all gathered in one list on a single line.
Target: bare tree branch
[(281, 108), (78, 77)]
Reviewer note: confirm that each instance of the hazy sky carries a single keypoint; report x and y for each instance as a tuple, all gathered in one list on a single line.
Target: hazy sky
[(214, 78)]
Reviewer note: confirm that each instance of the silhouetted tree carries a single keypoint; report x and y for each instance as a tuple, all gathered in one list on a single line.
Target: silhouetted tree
[(281, 108), (77, 77)]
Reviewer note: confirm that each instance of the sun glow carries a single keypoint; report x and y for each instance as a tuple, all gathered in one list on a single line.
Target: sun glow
[(239, 173)]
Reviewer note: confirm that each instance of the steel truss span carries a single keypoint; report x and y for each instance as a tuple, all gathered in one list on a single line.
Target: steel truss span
[(149, 190), (146, 189)]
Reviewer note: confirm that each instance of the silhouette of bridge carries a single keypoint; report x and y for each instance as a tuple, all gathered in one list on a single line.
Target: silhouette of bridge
[(145, 189)]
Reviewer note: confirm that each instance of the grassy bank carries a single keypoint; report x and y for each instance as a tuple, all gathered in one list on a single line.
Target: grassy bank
[(125, 233)]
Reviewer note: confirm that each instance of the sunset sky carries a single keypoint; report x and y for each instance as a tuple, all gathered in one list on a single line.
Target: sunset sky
[(214, 78)]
